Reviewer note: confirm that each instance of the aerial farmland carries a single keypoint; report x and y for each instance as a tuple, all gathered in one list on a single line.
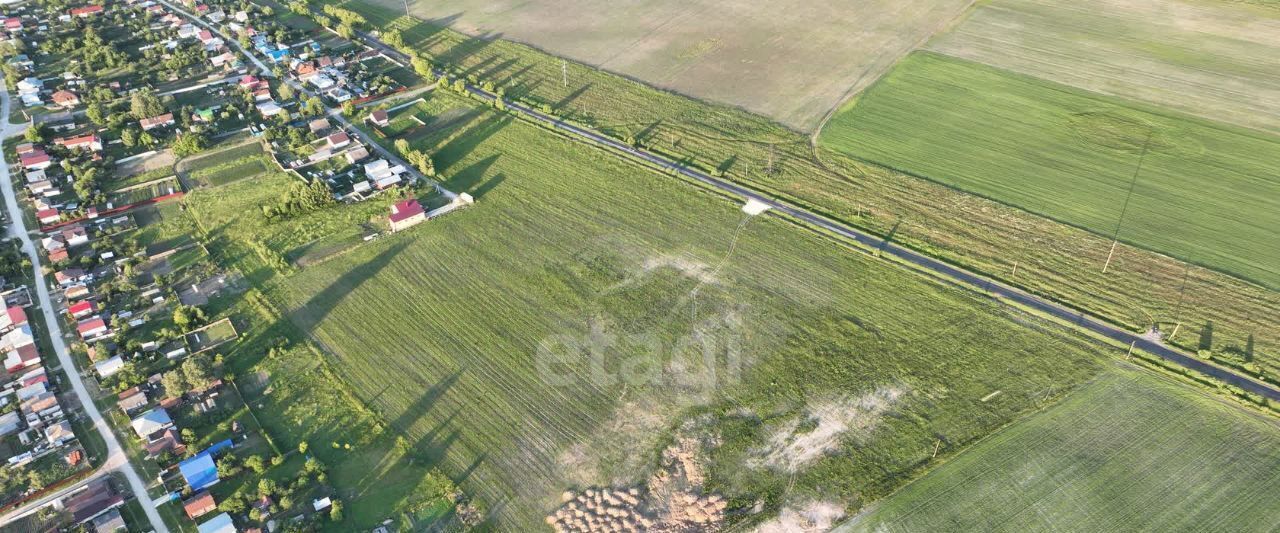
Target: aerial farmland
[(790, 60), (597, 267)]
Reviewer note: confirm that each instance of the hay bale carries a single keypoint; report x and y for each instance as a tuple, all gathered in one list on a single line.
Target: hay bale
[(567, 496)]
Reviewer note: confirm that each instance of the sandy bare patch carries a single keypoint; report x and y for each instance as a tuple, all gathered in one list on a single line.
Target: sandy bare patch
[(618, 453), (812, 517), (693, 269), (805, 439), (161, 159)]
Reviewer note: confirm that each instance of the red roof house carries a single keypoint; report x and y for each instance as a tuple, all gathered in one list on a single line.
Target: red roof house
[(65, 98), (91, 328), (14, 316), (199, 504), (35, 160), (78, 310), (156, 122), (86, 11), (86, 142), (338, 140), (379, 118), (406, 214), (48, 216)]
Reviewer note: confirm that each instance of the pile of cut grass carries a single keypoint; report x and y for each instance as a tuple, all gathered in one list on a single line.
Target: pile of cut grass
[(1129, 451)]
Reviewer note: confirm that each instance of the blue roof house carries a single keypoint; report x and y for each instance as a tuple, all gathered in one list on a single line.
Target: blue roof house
[(278, 55), (199, 472)]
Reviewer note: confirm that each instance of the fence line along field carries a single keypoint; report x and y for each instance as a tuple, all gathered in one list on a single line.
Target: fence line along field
[(1215, 60), (1140, 288), (1205, 192), (472, 334), (1130, 451), (741, 54)]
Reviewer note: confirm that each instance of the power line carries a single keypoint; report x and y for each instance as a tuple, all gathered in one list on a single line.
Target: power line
[(1115, 237)]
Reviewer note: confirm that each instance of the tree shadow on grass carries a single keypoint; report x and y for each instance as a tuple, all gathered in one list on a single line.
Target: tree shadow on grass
[(469, 178), (495, 70), (464, 143), (420, 31), (569, 98), (468, 47), (307, 316)]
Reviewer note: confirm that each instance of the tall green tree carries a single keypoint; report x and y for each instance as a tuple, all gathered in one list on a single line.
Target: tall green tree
[(145, 104)]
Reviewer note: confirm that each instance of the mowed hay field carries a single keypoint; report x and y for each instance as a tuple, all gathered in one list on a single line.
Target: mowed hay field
[(1216, 60), (438, 329), (1205, 192), (791, 60), (1130, 451)]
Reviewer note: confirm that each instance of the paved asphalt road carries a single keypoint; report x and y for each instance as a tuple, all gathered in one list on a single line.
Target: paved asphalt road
[(990, 287), (116, 459), (230, 41)]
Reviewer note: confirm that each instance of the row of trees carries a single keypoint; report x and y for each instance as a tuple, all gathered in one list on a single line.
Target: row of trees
[(300, 198), (419, 159)]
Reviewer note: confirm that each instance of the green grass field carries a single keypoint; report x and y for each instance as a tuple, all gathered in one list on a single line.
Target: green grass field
[(438, 329), (1205, 192), (1140, 288), (1129, 451), (292, 392), (1210, 59), (222, 174), (219, 156)]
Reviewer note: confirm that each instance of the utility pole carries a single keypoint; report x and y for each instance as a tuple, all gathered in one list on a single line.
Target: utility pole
[(1182, 295), (564, 72), (406, 8)]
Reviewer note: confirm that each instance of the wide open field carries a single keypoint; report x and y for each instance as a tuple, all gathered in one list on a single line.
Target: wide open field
[(1215, 59), (439, 330), (1205, 192), (1130, 451), (1049, 258), (792, 60)]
